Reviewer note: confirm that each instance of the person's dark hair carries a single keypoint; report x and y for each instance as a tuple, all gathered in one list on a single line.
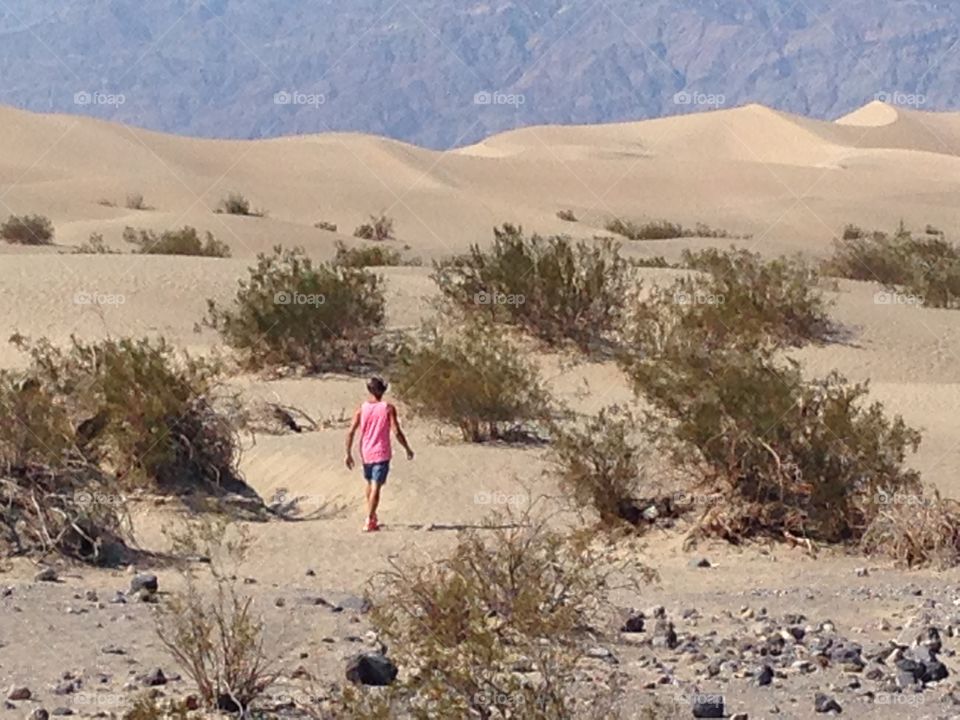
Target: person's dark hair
[(377, 387)]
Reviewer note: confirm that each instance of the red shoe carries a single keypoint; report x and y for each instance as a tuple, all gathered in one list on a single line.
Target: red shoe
[(371, 525)]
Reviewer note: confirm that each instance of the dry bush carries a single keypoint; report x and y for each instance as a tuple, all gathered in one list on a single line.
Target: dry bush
[(236, 204), (147, 707), (498, 629), (927, 267), (550, 287), (658, 230), (27, 230), (599, 465), (324, 225), (784, 456), (94, 246), (916, 530), (290, 312), (567, 215), (139, 408), (380, 228), (215, 635), (135, 201), (370, 256), (739, 299), (185, 241), (474, 379)]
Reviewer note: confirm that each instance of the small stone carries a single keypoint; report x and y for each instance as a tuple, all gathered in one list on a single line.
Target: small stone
[(633, 624), (765, 676), (708, 706), (144, 581), (19, 693), (862, 572), (39, 714), (371, 669), (279, 602), (62, 711), (48, 574), (91, 596), (824, 703), (153, 679), (739, 716), (311, 573), (700, 563), (67, 688)]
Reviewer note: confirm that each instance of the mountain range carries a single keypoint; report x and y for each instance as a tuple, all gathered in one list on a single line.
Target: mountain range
[(442, 74)]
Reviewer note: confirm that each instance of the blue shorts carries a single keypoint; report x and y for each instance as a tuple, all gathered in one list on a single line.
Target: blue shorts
[(376, 472)]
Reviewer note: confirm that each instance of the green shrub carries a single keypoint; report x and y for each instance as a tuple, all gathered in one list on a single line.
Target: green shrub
[(927, 267), (567, 215), (369, 256), (598, 465), (515, 594), (185, 241), (27, 230), (236, 204), (380, 228), (550, 287), (292, 313), (475, 380)]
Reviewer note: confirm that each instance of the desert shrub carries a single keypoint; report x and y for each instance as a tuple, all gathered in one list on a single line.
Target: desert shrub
[(27, 230), (736, 299), (370, 256), (215, 635), (927, 267), (290, 312), (324, 225), (550, 287), (567, 215), (140, 409), (932, 230), (148, 707), (105, 202), (236, 204), (916, 530), (135, 201), (517, 594), (598, 465), (784, 455), (657, 230), (185, 241), (380, 228), (853, 232), (652, 262), (94, 246), (475, 380)]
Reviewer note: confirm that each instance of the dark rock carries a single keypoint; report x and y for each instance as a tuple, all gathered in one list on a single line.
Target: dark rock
[(664, 634), (62, 711), (48, 574), (700, 563), (934, 671), (765, 676), (910, 667), (824, 703), (930, 638), (633, 624), (67, 688), (797, 631), (39, 714), (228, 704), (144, 581), (708, 706), (371, 669), (153, 679), (19, 693)]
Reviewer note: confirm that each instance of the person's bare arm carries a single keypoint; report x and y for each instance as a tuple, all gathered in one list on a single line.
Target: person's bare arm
[(398, 431), (350, 435)]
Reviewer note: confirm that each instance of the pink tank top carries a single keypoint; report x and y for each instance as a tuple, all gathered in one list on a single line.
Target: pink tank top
[(375, 432)]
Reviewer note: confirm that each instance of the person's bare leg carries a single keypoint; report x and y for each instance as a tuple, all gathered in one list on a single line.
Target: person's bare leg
[(373, 500)]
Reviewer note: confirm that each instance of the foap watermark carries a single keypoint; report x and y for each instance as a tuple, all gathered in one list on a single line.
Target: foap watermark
[(499, 498), (688, 699), (884, 297), (698, 298), (89, 499), (902, 99), (699, 99), (697, 500), (485, 97), (85, 97), (498, 298), (88, 699), (899, 699), (898, 498), (296, 298), (85, 297), (295, 97)]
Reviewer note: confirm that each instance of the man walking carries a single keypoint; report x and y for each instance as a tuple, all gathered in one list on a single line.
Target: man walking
[(375, 419)]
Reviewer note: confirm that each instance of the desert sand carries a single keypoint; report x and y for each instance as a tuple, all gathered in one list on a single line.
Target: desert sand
[(787, 182)]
